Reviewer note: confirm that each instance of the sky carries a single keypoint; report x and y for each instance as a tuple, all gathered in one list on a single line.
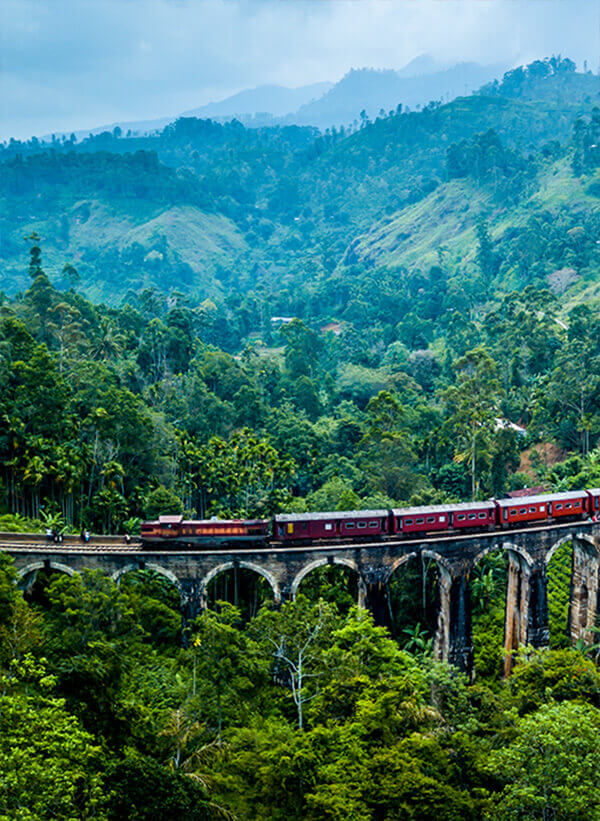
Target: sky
[(67, 65)]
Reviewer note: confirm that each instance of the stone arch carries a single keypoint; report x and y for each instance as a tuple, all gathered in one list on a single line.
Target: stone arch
[(583, 590), (398, 563), (51, 565), (307, 569), (417, 603), (509, 547), (156, 568), (221, 568), (442, 563), (583, 540)]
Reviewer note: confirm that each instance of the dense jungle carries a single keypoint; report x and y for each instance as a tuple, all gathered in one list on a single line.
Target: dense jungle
[(221, 321)]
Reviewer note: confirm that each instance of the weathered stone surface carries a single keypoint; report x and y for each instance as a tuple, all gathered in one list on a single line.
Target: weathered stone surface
[(584, 591)]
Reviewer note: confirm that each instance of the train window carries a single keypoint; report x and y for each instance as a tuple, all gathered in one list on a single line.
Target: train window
[(568, 506), (461, 517), (290, 527), (472, 516), (372, 524), (483, 515), (361, 524), (522, 511), (408, 521), (532, 510), (513, 512), (542, 508), (304, 525), (349, 525), (420, 521), (441, 518), (430, 520), (328, 526), (558, 506)]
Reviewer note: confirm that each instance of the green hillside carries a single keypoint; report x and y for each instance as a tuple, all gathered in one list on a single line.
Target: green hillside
[(135, 246), (221, 211), (448, 217)]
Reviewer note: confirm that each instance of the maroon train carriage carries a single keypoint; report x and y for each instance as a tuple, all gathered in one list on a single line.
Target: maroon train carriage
[(594, 502), (436, 518), (351, 524), (367, 525), (222, 532), (572, 504)]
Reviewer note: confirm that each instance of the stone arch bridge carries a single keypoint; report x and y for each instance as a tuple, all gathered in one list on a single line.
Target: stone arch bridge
[(284, 568)]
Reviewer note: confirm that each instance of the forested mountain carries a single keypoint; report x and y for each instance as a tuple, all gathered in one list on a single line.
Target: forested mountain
[(216, 209)]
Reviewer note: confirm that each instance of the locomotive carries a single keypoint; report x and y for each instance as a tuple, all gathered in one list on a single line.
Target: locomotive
[(368, 525)]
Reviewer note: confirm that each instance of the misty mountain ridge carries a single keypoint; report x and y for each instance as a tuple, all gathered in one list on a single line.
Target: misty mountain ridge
[(326, 104), (373, 91), (274, 100)]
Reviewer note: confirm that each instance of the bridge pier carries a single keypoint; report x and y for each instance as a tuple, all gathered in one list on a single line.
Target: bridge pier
[(453, 641), (583, 603), (193, 600), (516, 615), (375, 599), (538, 632), (461, 636)]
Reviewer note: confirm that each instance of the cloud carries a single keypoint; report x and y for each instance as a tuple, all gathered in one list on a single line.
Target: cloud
[(68, 64)]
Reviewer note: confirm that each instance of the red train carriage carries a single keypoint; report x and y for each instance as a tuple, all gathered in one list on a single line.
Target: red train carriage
[(436, 518), (572, 504), (371, 525), (351, 524), (220, 532), (594, 502)]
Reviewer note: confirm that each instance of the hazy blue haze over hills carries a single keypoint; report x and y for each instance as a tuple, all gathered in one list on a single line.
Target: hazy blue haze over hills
[(326, 104), (272, 99), (371, 90)]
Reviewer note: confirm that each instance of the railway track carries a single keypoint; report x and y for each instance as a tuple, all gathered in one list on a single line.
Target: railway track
[(82, 547), (30, 543)]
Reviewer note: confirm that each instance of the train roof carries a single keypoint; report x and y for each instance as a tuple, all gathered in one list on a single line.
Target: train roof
[(544, 497), (335, 514), (179, 520), (416, 511)]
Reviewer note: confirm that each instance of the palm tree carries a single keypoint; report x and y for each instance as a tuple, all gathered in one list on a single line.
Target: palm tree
[(33, 474), (483, 589), (109, 342), (131, 526), (418, 641), (53, 521)]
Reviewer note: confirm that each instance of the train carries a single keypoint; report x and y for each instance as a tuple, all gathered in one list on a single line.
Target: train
[(372, 525)]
